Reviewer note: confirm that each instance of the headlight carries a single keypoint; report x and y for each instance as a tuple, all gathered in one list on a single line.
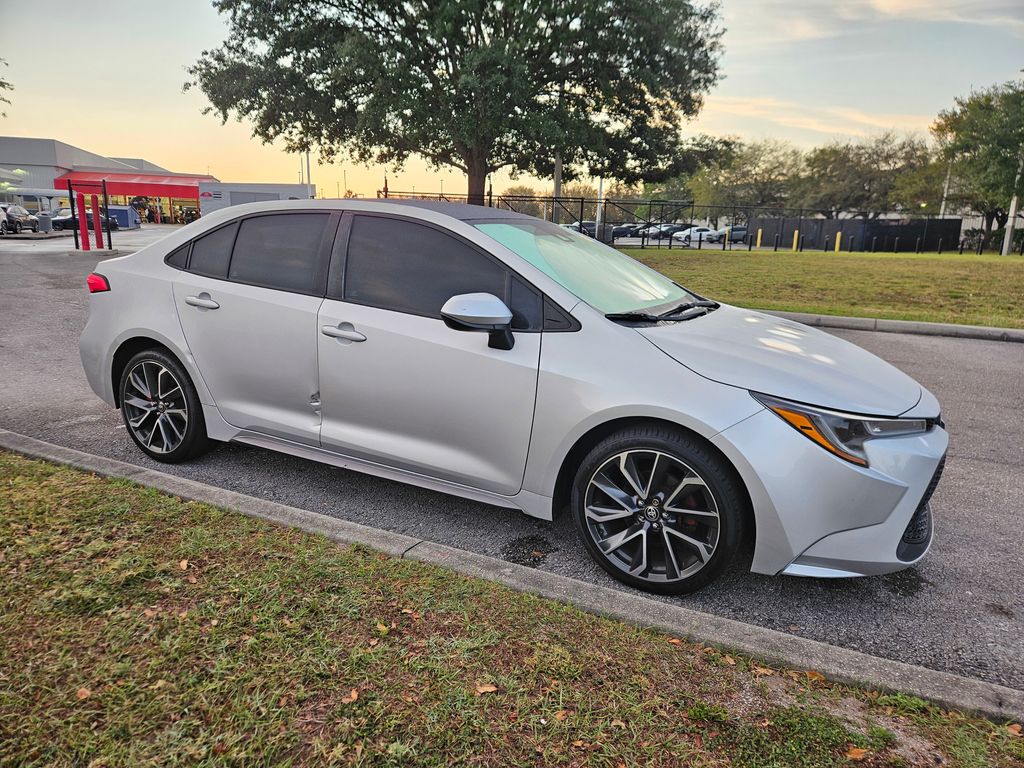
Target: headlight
[(843, 434)]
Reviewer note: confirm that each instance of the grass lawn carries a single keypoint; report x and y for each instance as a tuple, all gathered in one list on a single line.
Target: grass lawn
[(946, 288), (137, 629)]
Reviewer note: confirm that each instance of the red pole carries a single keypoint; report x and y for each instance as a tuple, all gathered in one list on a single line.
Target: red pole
[(83, 223), (97, 227)]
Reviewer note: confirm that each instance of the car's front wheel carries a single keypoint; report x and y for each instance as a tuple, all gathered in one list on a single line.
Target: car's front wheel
[(658, 509), (161, 408), (17, 227)]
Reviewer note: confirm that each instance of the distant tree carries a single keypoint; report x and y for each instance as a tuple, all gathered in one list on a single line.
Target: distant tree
[(984, 134), (920, 189), (857, 178), (752, 175), (470, 84), (529, 207), (5, 85)]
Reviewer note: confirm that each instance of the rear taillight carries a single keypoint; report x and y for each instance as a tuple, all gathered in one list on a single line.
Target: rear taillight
[(97, 283)]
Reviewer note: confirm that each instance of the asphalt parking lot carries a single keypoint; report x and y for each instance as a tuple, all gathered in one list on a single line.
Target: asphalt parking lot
[(960, 611)]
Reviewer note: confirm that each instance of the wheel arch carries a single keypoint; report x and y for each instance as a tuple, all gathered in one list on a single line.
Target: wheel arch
[(126, 351), (586, 441)]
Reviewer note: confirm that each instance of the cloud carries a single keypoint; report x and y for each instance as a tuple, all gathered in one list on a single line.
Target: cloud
[(728, 114), (777, 23)]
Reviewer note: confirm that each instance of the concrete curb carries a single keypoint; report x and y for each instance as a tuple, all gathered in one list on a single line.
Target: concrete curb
[(838, 664), (904, 326)]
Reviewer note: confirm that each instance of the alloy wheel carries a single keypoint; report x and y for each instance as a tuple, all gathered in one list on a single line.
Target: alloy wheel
[(652, 516), (155, 407)]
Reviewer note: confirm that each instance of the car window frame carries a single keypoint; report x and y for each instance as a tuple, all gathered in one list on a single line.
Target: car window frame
[(339, 268), (324, 249)]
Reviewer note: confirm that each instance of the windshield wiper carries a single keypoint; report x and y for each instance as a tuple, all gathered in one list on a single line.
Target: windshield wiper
[(687, 306), (647, 317)]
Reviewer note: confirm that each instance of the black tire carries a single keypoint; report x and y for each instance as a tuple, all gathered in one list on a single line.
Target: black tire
[(3, 227), (193, 439), (685, 453), (35, 229), (57, 226), (17, 227)]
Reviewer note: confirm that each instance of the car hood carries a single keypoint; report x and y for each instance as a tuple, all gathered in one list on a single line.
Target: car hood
[(779, 357)]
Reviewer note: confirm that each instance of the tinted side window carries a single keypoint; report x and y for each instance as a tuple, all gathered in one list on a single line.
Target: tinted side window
[(179, 257), (525, 303), (408, 267), (281, 251), (210, 253)]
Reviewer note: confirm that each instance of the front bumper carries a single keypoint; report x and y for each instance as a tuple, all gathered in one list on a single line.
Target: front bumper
[(818, 515)]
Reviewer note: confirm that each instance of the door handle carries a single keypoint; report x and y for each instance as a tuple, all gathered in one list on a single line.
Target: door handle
[(202, 300), (342, 331)]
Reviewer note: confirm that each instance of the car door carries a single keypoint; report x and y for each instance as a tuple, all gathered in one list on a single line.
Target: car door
[(402, 389), (248, 303)]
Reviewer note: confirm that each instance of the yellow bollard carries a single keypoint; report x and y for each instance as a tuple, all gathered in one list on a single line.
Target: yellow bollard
[(759, 233), (796, 238), (839, 240)]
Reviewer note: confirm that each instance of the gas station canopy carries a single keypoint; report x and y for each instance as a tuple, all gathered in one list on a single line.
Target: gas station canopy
[(136, 184)]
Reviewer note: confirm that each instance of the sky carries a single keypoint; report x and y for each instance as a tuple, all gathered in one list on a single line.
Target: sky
[(807, 71)]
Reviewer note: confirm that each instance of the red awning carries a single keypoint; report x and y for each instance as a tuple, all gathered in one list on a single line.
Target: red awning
[(142, 184)]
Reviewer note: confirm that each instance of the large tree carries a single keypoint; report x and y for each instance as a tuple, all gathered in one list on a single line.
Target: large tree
[(5, 85), (471, 84), (858, 178), (984, 135), (752, 175)]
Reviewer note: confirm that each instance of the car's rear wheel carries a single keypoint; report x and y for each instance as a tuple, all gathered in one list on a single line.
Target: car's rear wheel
[(161, 408), (658, 509), (17, 227), (3, 227), (57, 226)]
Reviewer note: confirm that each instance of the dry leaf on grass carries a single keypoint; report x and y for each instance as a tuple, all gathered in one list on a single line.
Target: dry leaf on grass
[(729, 660), (351, 697), (856, 754), (83, 693), (675, 641), (485, 688), (618, 724), (1014, 728), (763, 671), (183, 565), (816, 676), (560, 715)]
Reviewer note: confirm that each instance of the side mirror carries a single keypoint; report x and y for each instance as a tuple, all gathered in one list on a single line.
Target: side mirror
[(483, 312)]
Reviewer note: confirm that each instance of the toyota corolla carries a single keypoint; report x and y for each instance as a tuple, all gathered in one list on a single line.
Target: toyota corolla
[(501, 358)]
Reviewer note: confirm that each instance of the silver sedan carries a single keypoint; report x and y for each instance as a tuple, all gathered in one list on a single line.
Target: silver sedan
[(501, 358)]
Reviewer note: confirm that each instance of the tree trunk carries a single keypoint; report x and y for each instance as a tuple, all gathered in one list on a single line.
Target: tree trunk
[(477, 181)]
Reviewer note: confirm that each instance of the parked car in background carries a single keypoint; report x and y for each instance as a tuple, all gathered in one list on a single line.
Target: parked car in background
[(586, 227), (626, 230), (501, 358), (691, 235), (737, 234), (17, 219), (63, 219)]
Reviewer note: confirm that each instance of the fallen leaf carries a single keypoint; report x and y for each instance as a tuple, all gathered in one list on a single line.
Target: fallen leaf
[(816, 676), (762, 671), (183, 565), (485, 688), (374, 641), (183, 614), (578, 743), (191, 579), (698, 741), (382, 628), (283, 701), (1014, 728), (856, 754), (83, 693), (618, 724), (351, 697), (560, 715), (149, 613), (220, 748), (214, 622), (161, 683), (287, 622), (675, 641), (729, 660)]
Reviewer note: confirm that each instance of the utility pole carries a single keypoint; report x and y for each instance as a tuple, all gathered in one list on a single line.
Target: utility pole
[(945, 189), (1010, 221), (344, 176), (309, 177)]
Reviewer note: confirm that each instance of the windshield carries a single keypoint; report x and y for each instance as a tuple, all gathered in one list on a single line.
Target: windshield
[(605, 278)]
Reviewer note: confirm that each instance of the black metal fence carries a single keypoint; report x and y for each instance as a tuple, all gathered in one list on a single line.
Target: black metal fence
[(646, 223)]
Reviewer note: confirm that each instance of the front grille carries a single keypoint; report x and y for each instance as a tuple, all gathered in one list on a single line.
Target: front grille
[(919, 530)]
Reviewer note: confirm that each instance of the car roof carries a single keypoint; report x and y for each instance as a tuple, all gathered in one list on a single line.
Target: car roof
[(461, 211)]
